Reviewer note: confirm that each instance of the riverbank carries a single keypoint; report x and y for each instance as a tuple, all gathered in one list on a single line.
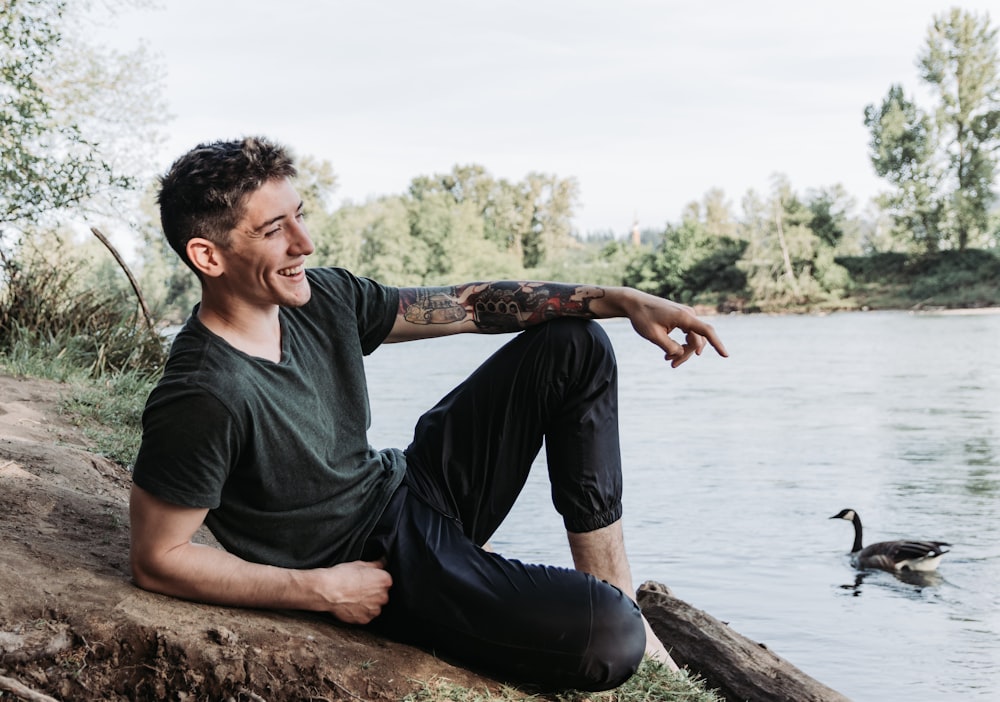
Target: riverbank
[(73, 626)]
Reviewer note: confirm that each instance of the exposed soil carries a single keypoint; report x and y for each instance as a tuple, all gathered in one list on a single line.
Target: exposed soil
[(74, 627)]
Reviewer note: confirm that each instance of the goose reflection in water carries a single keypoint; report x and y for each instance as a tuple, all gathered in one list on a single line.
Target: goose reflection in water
[(918, 579)]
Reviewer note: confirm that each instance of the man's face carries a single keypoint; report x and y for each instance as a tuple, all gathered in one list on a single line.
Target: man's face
[(265, 258)]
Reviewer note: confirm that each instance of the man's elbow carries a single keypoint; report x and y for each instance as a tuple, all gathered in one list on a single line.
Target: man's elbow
[(147, 573), (141, 573)]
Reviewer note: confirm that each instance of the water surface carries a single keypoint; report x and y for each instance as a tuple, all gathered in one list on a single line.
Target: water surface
[(733, 466)]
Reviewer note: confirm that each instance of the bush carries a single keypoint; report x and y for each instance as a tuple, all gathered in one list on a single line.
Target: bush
[(45, 309), (969, 278)]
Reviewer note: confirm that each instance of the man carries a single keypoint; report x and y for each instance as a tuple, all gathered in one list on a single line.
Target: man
[(258, 429)]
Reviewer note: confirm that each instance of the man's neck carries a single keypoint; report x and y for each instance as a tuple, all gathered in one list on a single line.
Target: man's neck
[(254, 331)]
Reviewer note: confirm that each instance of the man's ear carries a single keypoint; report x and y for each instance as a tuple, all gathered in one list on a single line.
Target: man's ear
[(204, 255)]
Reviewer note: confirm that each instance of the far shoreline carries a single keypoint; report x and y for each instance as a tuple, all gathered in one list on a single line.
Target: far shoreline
[(708, 311)]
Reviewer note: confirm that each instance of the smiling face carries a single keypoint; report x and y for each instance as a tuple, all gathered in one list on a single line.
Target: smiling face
[(264, 262)]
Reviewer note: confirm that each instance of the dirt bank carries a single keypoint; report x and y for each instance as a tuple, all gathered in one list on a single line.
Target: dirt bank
[(74, 627)]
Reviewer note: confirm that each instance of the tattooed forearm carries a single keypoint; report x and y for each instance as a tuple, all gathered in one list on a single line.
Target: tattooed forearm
[(507, 306), (431, 305), (501, 306)]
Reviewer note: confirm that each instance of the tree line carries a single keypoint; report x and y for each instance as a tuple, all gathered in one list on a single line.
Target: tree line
[(64, 156)]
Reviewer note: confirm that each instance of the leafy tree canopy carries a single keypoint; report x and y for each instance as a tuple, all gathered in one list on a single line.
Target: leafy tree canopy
[(73, 117), (942, 164)]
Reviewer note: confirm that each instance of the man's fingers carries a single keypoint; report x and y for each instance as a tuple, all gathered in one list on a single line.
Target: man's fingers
[(706, 332), (679, 358), (716, 343)]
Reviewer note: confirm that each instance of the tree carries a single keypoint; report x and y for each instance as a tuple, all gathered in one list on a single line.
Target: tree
[(170, 287), (457, 249), (830, 220), (530, 219), (902, 152), (550, 200), (373, 239), (943, 165), (786, 260), (694, 261), (64, 105), (960, 62)]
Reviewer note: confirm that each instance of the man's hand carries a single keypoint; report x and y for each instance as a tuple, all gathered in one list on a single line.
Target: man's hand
[(654, 318), (357, 590)]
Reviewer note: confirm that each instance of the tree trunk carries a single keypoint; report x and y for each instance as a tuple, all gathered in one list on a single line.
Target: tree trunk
[(735, 666), (131, 278), (785, 256)]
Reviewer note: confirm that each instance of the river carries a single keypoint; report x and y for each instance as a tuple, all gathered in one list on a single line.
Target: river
[(734, 466)]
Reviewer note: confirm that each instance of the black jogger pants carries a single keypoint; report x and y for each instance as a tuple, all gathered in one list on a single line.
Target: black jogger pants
[(470, 457)]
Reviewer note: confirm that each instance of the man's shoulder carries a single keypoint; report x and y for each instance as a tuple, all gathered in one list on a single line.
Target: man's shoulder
[(342, 282), (200, 363), (338, 292)]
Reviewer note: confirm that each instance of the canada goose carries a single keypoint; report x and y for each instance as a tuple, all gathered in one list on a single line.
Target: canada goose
[(892, 555)]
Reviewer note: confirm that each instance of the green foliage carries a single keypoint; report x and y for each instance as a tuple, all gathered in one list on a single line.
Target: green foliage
[(530, 220), (653, 682), (449, 229), (171, 288), (694, 261), (45, 163), (597, 261), (457, 247), (942, 165), (969, 278), (45, 308), (830, 220), (374, 240), (109, 410), (902, 150), (63, 106), (961, 64), (788, 259)]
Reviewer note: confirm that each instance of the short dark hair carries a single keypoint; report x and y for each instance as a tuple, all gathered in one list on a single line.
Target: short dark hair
[(204, 193)]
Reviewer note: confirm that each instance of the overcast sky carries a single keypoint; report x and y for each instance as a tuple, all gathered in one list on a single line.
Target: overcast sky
[(647, 104)]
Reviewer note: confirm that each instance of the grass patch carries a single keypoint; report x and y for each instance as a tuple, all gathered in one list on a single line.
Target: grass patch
[(653, 682), (109, 411), (944, 279)]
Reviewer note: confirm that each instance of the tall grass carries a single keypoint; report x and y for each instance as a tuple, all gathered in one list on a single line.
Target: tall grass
[(653, 682), (109, 411), (48, 313), (54, 325)]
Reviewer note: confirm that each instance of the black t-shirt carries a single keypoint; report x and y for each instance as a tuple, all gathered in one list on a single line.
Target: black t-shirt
[(278, 452)]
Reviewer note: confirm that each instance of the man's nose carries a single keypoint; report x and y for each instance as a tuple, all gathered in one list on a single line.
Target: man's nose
[(301, 243)]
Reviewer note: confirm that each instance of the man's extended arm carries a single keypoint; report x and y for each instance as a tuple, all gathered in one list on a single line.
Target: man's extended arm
[(165, 560), (507, 306)]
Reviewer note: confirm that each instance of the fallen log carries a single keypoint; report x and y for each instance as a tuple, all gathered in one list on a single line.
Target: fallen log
[(732, 664)]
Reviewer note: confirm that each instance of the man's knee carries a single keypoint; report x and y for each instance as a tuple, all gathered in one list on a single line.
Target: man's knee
[(574, 331), (580, 347), (618, 640)]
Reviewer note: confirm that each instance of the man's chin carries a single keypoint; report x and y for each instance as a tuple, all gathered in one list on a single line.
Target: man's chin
[(299, 297)]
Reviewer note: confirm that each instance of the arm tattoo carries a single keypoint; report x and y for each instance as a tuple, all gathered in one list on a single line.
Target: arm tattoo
[(497, 307), (509, 306), (431, 305)]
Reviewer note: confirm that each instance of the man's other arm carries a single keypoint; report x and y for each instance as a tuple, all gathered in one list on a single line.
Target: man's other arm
[(164, 560)]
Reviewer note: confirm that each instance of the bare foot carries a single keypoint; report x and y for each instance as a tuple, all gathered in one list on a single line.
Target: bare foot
[(656, 650)]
